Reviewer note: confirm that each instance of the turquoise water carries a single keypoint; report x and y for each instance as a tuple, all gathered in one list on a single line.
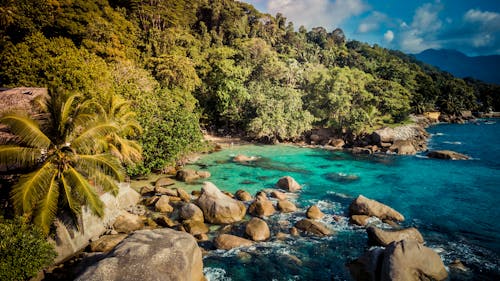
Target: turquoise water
[(455, 204)]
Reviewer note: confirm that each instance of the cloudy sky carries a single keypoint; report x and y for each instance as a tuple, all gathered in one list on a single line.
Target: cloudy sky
[(470, 26)]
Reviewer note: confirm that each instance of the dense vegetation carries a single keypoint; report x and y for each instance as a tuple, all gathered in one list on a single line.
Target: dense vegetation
[(218, 65)]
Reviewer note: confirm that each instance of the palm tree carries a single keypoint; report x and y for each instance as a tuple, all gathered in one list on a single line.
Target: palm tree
[(70, 166)]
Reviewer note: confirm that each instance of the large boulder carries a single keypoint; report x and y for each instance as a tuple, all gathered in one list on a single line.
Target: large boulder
[(286, 206), (261, 207), (314, 212), (160, 254), (447, 154), (405, 260), (257, 230), (288, 183), (190, 211), (127, 223), (313, 227), (219, 208), (382, 237), (368, 207), (403, 147), (106, 243), (384, 135), (228, 241)]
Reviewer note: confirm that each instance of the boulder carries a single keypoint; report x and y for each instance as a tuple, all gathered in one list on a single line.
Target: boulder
[(278, 195), (228, 241), (257, 230), (165, 221), (192, 212), (219, 208), (195, 227), (261, 195), (162, 205), (146, 189), (368, 207), (164, 182), (337, 143), (361, 150), (314, 213), (294, 231), (165, 191), (243, 195), (181, 193), (127, 223), (403, 147), (160, 254), (313, 227), (187, 175), (261, 208), (288, 183), (447, 154), (240, 158), (203, 174), (383, 135), (360, 220), (382, 237), (405, 260), (286, 206), (106, 243)]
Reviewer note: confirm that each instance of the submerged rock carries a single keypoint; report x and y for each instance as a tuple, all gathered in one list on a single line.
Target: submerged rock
[(257, 230), (341, 177), (219, 208), (447, 154), (160, 254), (384, 237), (313, 227), (369, 207), (228, 242), (288, 183), (240, 158)]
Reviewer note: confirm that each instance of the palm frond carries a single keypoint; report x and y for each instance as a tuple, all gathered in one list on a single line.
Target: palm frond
[(84, 191), (106, 163), (105, 182), (18, 156), (31, 188), (73, 205), (130, 151), (86, 141), (47, 206), (27, 130)]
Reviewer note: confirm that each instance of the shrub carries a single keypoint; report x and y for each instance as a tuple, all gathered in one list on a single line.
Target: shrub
[(24, 250)]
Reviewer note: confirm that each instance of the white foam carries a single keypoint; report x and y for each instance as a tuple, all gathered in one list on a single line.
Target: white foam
[(453, 142), (215, 274)]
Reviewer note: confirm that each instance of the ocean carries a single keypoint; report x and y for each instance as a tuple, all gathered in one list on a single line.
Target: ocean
[(454, 204)]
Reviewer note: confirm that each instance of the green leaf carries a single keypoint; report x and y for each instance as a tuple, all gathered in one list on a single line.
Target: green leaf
[(18, 156), (84, 191), (27, 130), (47, 206)]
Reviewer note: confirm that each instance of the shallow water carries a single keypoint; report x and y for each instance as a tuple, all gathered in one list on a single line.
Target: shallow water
[(455, 204)]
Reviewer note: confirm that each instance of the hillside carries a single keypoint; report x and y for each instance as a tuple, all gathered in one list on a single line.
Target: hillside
[(483, 68)]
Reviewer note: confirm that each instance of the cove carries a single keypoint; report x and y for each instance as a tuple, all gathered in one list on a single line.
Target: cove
[(455, 204)]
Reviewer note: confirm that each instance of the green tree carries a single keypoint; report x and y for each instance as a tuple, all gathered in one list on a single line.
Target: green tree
[(70, 165)]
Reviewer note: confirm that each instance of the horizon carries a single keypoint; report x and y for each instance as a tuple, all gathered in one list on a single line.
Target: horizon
[(407, 26)]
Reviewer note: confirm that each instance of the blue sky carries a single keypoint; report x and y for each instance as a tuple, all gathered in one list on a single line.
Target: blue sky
[(470, 26)]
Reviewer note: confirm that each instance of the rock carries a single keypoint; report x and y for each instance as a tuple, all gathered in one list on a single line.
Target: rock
[(201, 237), (313, 227), (166, 221), (165, 191), (286, 206), (181, 193), (219, 208), (365, 206), (127, 223), (146, 189), (160, 254), (408, 259), (281, 236), (294, 231), (162, 205), (289, 184), (243, 195), (382, 237), (227, 242), (257, 230), (278, 195), (458, 266), (360, 220), (403, 147), (314, 213), (190, 211), (383, 135), (337, 143), (106, 243), (203, 174), (261, 195), (195, 227), (151, 200), (261, 208), (174, 199), (447, 154), (240, 158), (399, 261), (361, 150), (187, 175), (161, 182)]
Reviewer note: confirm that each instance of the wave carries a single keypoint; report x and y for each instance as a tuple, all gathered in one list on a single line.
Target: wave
[(453, 142), (215, 274)]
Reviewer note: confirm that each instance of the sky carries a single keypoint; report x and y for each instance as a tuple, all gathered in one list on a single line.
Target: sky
[(411, 26)]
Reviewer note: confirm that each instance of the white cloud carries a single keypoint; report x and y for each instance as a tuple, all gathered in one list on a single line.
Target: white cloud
[(421, 33), (473, 15), (313, 13), (372, 22), (389, 36)]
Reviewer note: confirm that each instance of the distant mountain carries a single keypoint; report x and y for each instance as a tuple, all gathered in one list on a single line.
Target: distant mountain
[(485, 68)]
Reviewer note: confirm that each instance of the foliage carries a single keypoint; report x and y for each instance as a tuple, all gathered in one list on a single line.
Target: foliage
[(70, 166), (24, 250)]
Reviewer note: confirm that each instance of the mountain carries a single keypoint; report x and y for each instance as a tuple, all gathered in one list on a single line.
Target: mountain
[(484, 68)]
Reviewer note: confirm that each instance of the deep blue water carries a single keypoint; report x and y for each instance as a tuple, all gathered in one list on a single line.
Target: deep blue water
[(455, 204)]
